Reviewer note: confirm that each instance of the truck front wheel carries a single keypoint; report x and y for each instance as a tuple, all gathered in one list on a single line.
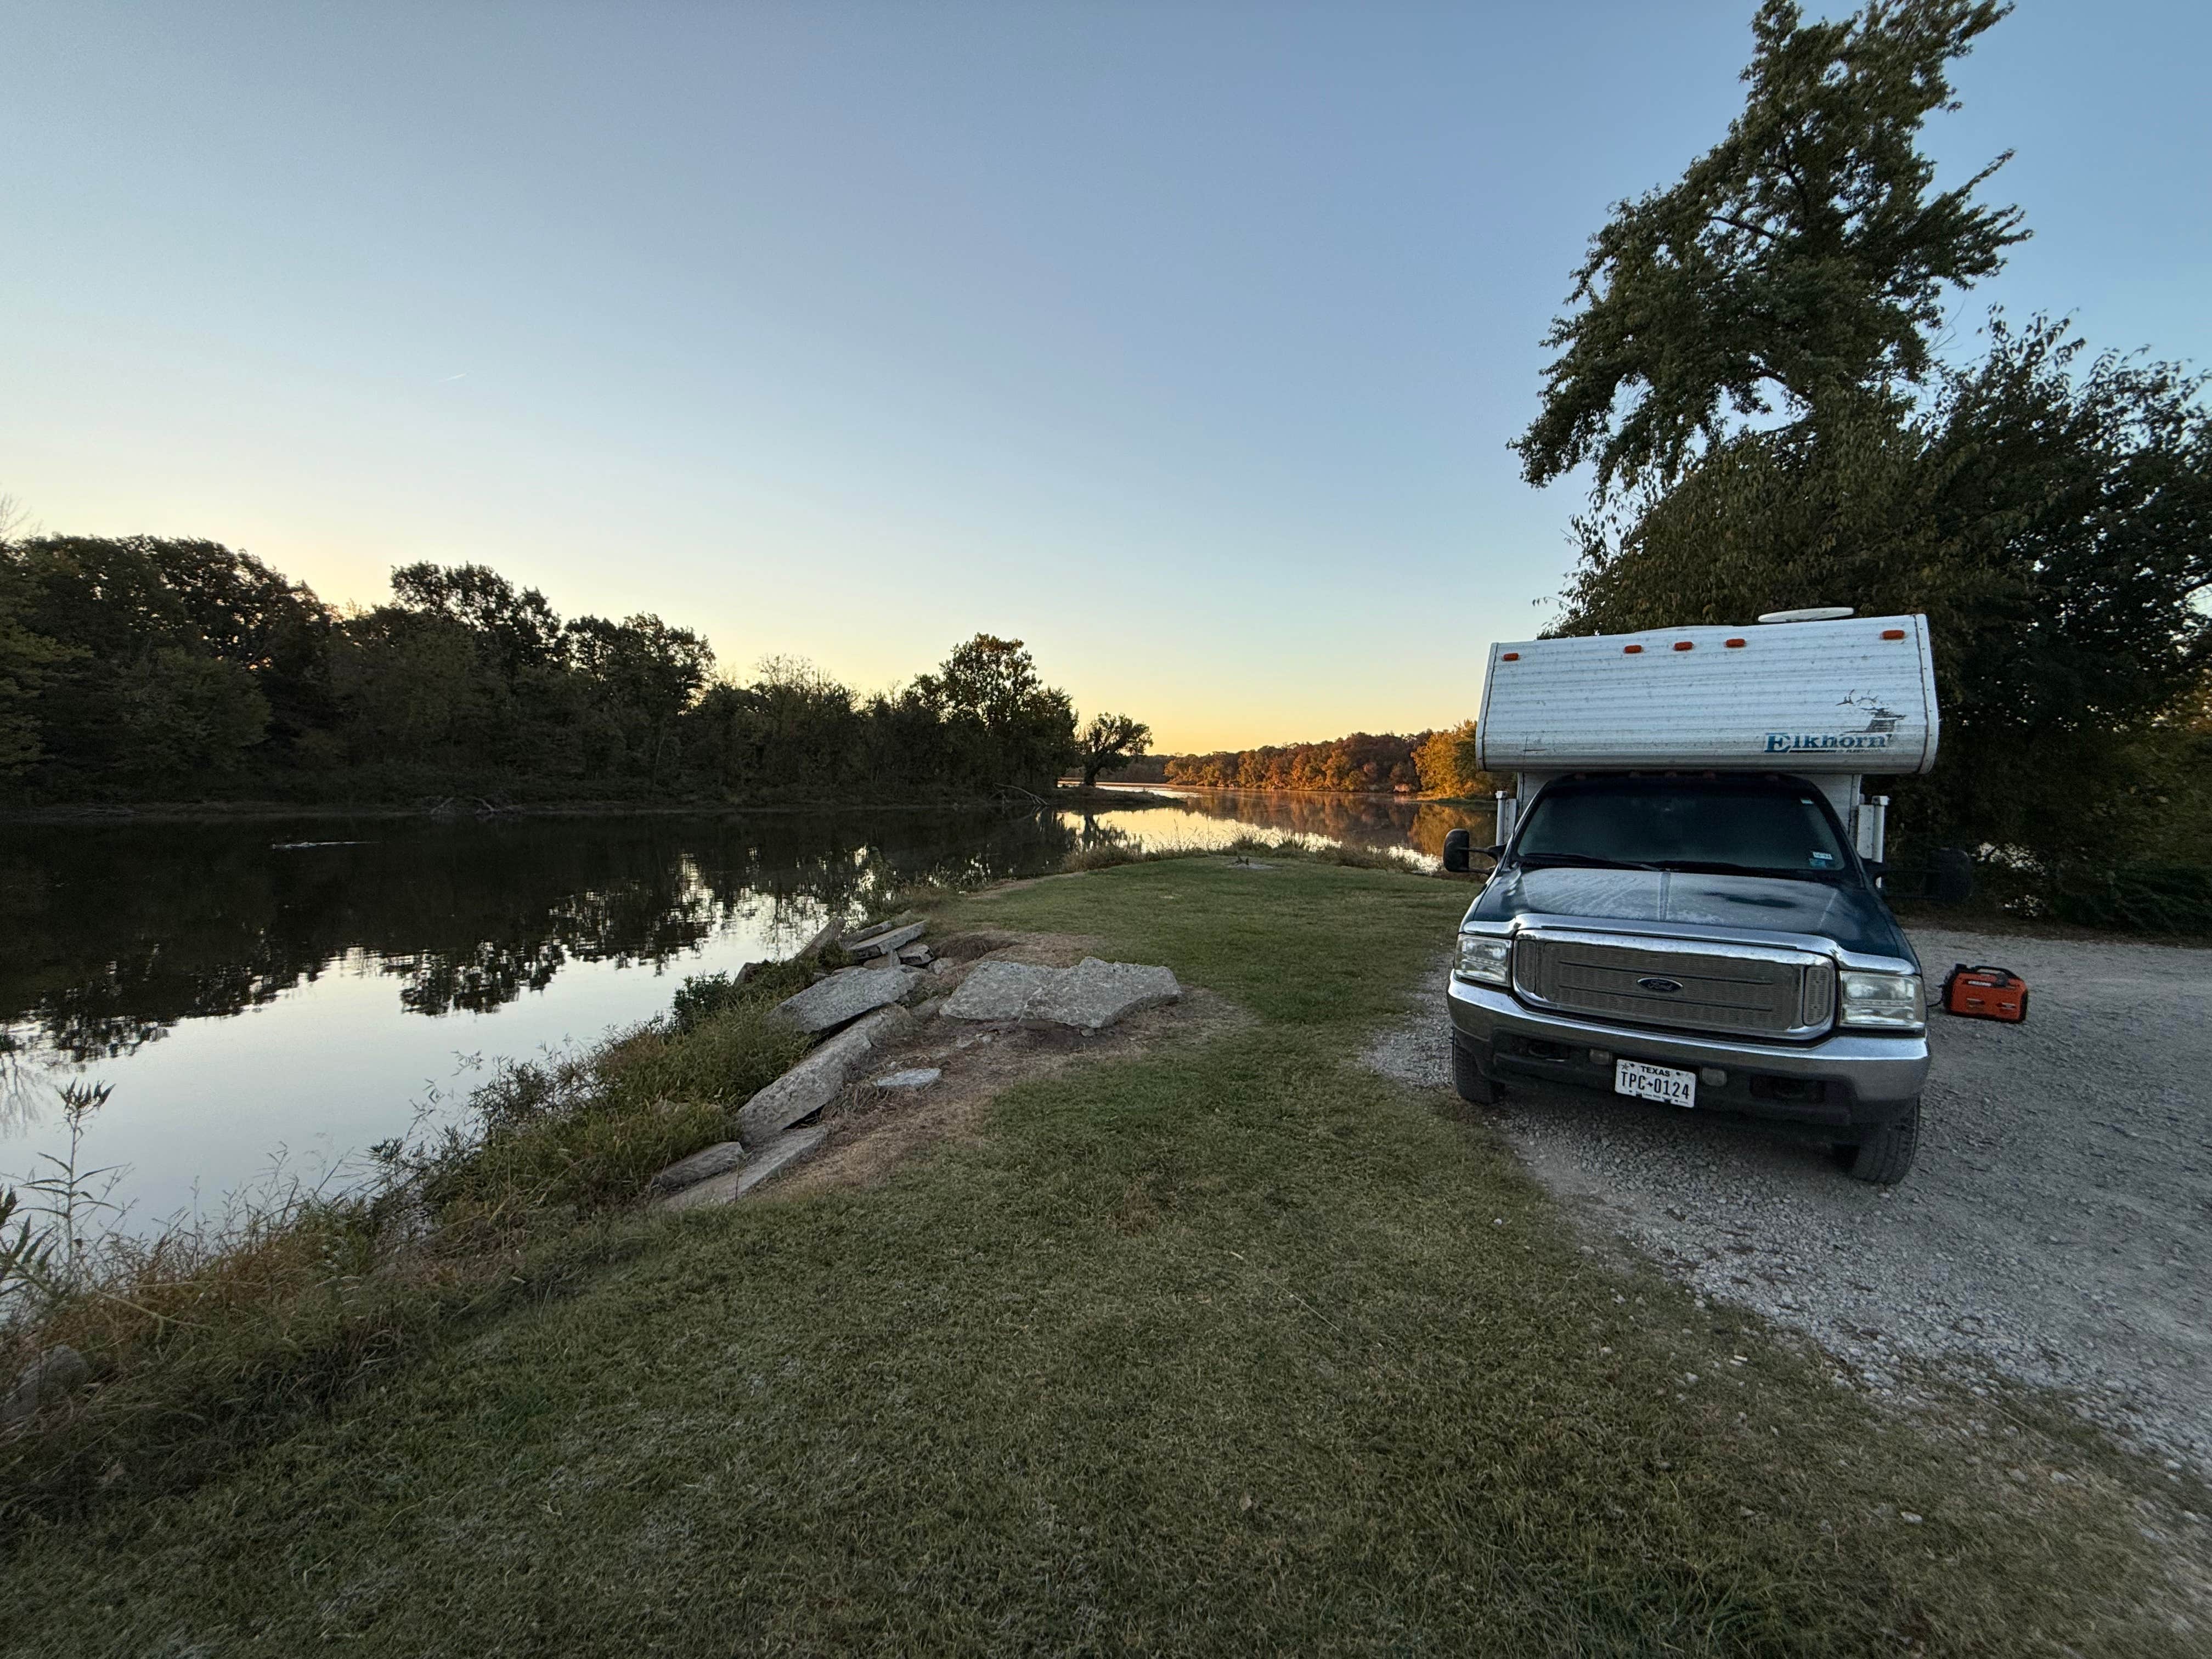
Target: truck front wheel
[(1885, 1155), (1467, 1077)]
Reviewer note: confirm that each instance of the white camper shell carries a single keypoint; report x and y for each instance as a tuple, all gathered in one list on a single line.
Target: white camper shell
[(1830, 702)]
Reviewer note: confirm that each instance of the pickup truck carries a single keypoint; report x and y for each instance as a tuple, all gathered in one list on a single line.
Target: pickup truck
[(1680, 910)]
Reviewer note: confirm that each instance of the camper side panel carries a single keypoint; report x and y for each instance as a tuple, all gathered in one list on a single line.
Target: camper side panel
[(1800, 697)]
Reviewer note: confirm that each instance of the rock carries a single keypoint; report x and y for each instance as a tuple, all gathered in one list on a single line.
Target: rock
[(996, 990), (844, 997), (793, 1146), (1093, 994), (821, 942), (888, 944), (812, 1084), (916, 1077), (878, 929), (718, 1159), (46, 1379), (916, 956), (929, 1008)]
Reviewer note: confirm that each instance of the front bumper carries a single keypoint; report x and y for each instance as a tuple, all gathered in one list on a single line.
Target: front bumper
[(1843, 1081)]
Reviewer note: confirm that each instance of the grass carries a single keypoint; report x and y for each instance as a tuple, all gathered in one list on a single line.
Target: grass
[(1227, 1348), (206, 1341)]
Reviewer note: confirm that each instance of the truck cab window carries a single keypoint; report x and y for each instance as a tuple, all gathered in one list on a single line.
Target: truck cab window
[(1687, 824)]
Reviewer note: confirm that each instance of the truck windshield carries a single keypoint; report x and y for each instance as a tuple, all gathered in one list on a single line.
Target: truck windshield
[(1683, 824)]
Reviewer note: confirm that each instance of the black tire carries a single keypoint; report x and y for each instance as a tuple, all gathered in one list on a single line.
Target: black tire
[(1467, 1077), (1884, 1157)]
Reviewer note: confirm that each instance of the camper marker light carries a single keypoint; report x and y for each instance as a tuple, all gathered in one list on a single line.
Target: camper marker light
[(1733, 645), (1890, 1002), (1892, 633), (1510, 656), (1483, 959), (1631, 650), (1685, 645)]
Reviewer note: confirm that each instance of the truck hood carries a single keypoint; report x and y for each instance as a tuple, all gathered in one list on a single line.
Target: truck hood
[(1854, 917)]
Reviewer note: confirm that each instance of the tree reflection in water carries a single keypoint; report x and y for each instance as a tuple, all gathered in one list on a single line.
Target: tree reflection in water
[(1372, 821), (110, 934), (114, 934)]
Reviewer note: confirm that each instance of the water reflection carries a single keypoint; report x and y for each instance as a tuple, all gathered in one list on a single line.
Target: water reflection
[(249, 988), (115, 934), (1381, 821)]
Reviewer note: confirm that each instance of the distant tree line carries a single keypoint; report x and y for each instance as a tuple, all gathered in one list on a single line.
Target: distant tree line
[(1437, 762), (148, 668)]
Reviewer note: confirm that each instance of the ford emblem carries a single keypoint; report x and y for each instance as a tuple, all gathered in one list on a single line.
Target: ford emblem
[(1668, 985)]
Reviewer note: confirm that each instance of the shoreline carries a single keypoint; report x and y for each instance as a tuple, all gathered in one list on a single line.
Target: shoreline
[(93, 812)]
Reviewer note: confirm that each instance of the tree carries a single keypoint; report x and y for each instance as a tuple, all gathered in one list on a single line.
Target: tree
[(1109, 743), (1447, 766), (25, 660), (117, 625), (519, 629), (1801, 260), (1009, 728), (2054, 522), (645, 675)]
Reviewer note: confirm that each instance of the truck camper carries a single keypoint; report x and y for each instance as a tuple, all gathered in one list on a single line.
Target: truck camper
[(1685, 906)]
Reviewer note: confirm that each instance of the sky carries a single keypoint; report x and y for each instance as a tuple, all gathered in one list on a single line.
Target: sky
[(1183, 342)]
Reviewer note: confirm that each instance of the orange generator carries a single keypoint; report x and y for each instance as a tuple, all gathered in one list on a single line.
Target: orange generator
[(1985, 992)]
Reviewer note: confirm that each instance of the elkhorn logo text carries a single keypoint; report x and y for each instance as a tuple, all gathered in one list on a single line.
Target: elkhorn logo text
[(1780, 742)]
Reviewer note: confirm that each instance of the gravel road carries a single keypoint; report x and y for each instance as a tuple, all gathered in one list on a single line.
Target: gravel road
[(2053, 1229)]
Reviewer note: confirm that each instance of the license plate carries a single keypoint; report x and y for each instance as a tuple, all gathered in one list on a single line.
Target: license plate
[(1662, 1083)]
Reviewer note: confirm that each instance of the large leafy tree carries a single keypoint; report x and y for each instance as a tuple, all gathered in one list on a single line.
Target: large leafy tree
[(2052, 519), (1011, 728), (1802, 261), (1108, 743), (144, 661), (1752, 376)]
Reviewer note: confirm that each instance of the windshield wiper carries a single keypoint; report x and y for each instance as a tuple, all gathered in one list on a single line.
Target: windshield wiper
[(1581, 861)]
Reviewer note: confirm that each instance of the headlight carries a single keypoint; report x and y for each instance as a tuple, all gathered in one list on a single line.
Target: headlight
[(1483, 959), (1890, 1001)]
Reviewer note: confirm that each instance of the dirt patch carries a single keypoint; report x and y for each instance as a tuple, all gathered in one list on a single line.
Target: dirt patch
[(871, 1130), (960, 950)]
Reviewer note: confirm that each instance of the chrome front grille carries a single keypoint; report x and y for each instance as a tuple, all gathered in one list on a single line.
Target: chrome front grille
[(1748, 990)]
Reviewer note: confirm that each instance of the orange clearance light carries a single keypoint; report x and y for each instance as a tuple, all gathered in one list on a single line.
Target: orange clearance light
[(1892, 633), (1630, 650), (1510, 656), (1733, 645), (1685, 645)]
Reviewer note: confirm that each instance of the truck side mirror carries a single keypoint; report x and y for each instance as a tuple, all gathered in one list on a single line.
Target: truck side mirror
[(1456, 847)]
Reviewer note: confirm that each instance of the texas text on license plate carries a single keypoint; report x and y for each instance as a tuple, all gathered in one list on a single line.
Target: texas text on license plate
[(1663, 1083)]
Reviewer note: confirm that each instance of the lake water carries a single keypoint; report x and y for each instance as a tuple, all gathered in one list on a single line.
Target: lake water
[(269, 999)]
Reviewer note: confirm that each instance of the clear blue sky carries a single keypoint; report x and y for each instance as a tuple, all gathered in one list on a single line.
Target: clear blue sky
[(1182, 341)]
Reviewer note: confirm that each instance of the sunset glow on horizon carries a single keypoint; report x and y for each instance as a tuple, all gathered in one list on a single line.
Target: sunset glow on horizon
[(1182, 343)]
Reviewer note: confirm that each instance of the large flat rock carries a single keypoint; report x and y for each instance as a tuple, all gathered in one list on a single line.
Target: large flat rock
[(718, 1159), (844, 997), (887, 944), (813, 1083), (996, 990), (1093, 994), (792, 1146)]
